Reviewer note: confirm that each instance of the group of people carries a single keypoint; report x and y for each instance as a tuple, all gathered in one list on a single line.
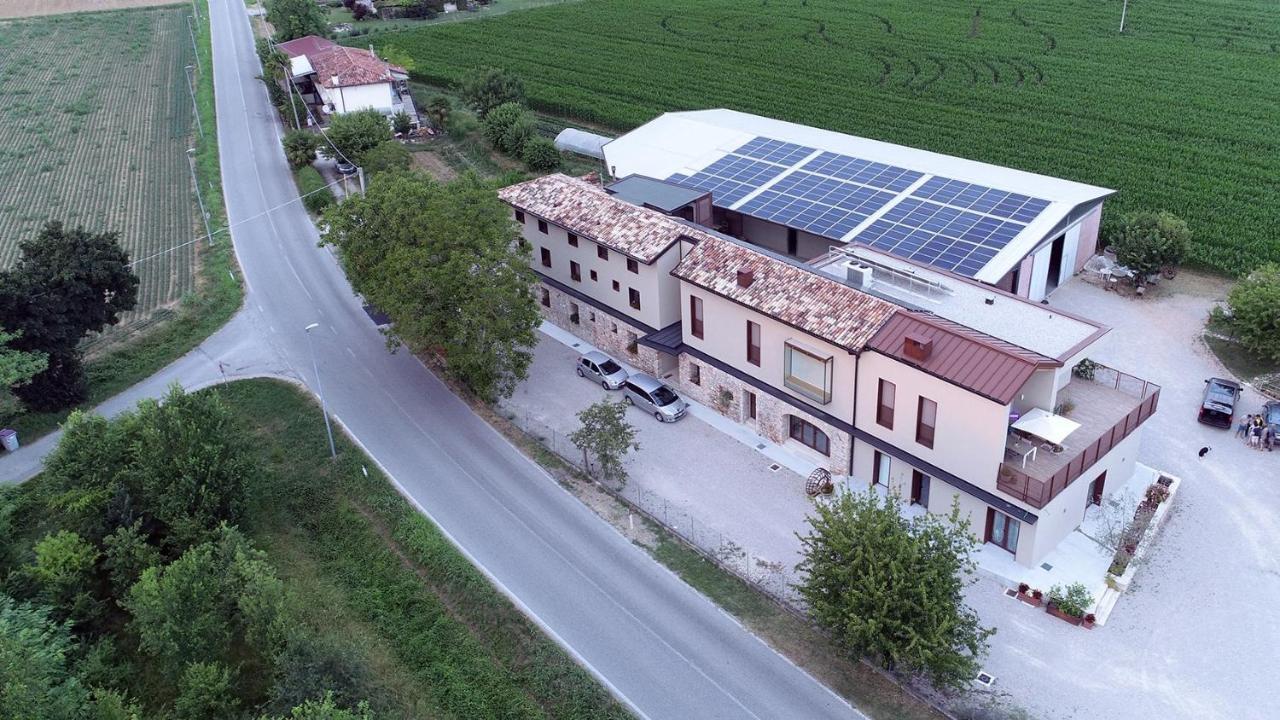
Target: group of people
[(1256, 432)]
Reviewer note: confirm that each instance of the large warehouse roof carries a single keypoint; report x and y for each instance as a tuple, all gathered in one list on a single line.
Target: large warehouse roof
[(959, 215)]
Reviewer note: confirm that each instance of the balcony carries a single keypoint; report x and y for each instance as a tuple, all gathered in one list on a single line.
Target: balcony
[(1109, 408)]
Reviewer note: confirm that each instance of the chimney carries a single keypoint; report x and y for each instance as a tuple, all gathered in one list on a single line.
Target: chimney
[(746, 276), (917, 347)]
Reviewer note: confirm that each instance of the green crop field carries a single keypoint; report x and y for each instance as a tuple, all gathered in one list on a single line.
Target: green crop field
[(1181, 112), (95, 121)]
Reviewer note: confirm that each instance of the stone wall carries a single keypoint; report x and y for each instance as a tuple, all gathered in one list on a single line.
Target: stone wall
[(612, 336), (727, 395)]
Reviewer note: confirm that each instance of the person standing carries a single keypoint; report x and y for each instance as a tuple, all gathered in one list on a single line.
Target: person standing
[(1242, 429)]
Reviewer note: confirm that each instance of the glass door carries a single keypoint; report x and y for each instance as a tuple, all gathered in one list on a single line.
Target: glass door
[(1004, 531)]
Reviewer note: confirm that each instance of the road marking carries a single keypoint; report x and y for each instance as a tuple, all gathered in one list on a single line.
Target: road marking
[(349, 352)]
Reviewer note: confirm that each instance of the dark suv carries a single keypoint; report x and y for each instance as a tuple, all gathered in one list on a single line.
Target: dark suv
[(1271, 414), (1219, 403)]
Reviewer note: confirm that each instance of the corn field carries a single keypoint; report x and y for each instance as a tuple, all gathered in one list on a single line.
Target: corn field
[(1181, 112), (95, 121)]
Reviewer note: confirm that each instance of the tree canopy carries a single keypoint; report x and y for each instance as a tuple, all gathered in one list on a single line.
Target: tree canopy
[(443, 261), (66, 283), (296, 18), (891, 588), (1255, 311), (485, 88), (16, 368), (605, 433), (300, 147), (1148, 242), (386, 157), (356, 133)]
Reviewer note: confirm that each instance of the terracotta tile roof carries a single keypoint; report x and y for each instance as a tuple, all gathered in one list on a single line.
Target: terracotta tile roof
[(341, 66), (977, 362), (590, 212), (804, 299), (308, 45)]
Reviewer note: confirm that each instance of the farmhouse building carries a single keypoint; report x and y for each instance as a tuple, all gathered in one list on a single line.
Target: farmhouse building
[(334, 79), (873, 365), (802, 191)]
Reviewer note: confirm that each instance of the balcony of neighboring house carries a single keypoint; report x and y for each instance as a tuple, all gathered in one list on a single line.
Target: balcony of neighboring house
[(1046, 451)]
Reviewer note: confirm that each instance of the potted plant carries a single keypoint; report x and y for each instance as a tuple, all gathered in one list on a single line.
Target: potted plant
[(1089, 621), (1029, 596), (1068, 604)]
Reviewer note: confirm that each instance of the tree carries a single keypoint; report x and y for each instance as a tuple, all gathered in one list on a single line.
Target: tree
[(215, 595), (1254, 304), (1148, 242), (65, 284), (129, 552), (386, 157), (541, 155), (501, 119), (401, 123), (16, 368), (605, 433), (326, 709), (439, 108), (359, 11), (295, 18), (443, 262), (519, 133), (62, 575), (485, 88), (356, 133), (35, 679), (891, 588), (205, 693), (300, 147)]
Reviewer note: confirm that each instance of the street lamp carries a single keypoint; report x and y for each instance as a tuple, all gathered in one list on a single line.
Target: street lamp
[(204, 214), (195, 108), (333, 451)]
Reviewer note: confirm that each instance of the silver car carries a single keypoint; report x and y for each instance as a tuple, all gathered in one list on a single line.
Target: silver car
[(650, 395), (598, 367)]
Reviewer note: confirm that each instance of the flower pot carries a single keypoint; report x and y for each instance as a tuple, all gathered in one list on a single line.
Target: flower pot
[(1054, 611), (1088, 621), (1029, 599)]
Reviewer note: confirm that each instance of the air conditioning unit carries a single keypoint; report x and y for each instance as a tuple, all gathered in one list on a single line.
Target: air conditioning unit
[(858, 275)]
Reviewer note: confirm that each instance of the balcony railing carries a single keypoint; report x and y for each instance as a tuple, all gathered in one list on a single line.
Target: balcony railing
[(1110, 407)]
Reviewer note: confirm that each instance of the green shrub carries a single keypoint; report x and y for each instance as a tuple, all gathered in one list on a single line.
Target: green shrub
[(500, 120), (1073, 600), (300, 147), (541, 155), (1255, 312), (1148, 242), (316, 196)]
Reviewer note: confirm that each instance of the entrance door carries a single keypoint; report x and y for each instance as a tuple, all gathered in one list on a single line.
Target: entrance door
[(792, 242), (1095, 490), (1002, 530), (1055, 264), (919, 488)]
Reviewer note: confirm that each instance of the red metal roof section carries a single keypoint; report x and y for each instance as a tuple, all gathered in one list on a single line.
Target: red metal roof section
[(975, 361)]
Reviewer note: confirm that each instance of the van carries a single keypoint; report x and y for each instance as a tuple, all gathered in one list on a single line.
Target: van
[(651, 396)]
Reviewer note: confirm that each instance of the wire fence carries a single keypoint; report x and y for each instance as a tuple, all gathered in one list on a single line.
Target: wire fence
[(769, 576)]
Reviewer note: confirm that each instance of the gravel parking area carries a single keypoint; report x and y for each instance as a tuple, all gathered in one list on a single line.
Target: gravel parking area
[(1191, 639)]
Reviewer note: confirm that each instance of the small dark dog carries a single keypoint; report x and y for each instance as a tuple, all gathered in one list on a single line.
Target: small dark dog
[(1204, 451)]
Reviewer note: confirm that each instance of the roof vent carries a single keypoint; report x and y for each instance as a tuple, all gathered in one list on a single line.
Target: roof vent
[(917, 347), (746, 276), (858, 274)]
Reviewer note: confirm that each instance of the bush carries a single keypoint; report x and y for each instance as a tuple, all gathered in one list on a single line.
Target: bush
[(321, 197), (1073, 600), (385, 157), (1255, 312), (1148, 242), (401, 123), (518, 134), (300, 147), (541, 155), (500, 120)]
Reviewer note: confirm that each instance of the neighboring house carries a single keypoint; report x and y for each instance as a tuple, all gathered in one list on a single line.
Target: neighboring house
[(874, 366), (334, 79), (800, 191)]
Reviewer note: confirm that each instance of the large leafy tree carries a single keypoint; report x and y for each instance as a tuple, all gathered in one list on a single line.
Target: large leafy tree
[(36, 681), (66, 283), (1255, 311), (443, 261), (891, 588), (485, 88), (605, 433), (1148, 242), (295, 18), (356, 133)]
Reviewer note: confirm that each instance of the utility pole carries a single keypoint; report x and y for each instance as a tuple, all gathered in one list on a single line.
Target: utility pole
[(194, 107), (1124, 10), (194, 48), (360, 170), (333, 451), (204, 214)]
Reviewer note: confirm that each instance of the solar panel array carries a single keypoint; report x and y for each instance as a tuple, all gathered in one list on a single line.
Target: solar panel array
[(820, 205), (946, 237), (730, 178), (958, 193), (863, 171), (775, 151)]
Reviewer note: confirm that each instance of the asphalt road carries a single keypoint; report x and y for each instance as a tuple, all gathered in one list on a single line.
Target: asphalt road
[(659, 646)]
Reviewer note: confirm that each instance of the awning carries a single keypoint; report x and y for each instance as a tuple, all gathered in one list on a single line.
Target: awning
[(1046, 426)]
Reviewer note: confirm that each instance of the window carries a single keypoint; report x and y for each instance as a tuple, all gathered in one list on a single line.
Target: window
[(614, 328), (573, 240), (602, 252), (546, 257), (634, 296), (631, 343), (520, 216), (542, 226), (616, 286), (695, 374), (1002, 530), (805, 433), (807, 372), (546, 298), (919, 488), (593, 276), (633, 266), (574, 317), (751, 405), (695, 316), (884, 407), (880, 464), (926, 421), (575, 271), (753, 343)]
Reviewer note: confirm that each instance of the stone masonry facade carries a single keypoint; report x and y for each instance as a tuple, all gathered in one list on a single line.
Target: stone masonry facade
[(616, 338), (727, 395)]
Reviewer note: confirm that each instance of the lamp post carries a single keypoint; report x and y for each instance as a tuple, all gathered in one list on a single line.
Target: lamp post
[(324, 408), (204, 214), (194, 108)]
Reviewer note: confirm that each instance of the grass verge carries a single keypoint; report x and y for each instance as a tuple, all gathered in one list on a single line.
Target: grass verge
[(218, 292), (1242, 363)]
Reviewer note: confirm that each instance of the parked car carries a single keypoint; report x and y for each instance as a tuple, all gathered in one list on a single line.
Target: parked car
[(1219, 404), (346, 168), (1271, 413), (650, 395), (601, 368)]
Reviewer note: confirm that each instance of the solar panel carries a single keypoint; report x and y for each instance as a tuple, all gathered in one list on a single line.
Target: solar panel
[(823, 206), (846, 167), (775, 151), (957, 193), (730, 178), (946, 237)]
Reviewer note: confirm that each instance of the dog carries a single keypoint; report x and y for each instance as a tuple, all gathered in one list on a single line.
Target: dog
[(1204, 451)]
